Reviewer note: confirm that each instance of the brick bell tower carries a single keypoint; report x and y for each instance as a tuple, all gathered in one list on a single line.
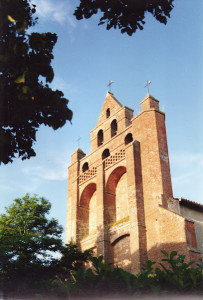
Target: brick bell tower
[(117, 194)]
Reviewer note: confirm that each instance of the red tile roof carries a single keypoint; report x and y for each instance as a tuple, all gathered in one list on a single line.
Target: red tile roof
[(191, 204)]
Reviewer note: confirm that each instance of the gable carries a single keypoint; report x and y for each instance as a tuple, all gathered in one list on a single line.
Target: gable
[(110, 103)]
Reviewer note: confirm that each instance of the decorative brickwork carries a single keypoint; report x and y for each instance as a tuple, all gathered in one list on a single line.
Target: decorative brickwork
[(111, 160), (121, 204), (87, 175)]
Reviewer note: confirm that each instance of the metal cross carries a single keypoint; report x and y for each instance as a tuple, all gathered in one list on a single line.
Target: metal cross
[(109, 85), (147, 85), (78, 140)]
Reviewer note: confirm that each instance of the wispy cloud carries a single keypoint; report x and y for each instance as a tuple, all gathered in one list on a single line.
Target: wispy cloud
[(58, 11), (60, 84), (57, 170), (187, 175), (35, 173), (184, 159)]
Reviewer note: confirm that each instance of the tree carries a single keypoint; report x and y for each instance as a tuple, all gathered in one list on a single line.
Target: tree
[(72, 259), (127, 15), (26, 100), (27, 242)]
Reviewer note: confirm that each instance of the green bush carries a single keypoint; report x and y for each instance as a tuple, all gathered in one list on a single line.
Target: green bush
[(174, 276)]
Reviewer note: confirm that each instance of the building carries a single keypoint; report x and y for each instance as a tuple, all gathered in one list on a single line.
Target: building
[(120, 199)]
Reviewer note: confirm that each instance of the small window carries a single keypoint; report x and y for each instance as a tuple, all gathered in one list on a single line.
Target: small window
[(100, 138), (114, 128), (85, 167), (128, 138), (108, 113), (105, 154)]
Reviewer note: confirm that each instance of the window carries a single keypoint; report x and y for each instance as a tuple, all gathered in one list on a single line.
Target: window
[(100, 138), (128, 138), (114, 128), (85, 167), (105, 153), (108, 113)]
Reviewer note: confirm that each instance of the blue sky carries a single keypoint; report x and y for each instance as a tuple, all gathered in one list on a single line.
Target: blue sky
[(87, 56)]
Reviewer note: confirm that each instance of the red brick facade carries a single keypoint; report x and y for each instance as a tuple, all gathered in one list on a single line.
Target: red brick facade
[(117, 194)]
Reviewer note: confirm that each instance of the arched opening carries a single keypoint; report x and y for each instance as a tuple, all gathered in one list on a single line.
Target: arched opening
[(121, 252), (87, 211), (116, 212), (100, 138), (116, 199), (121, 194), (114, 128), (93, 214), (128, 138), (85, 167), (105, 154), (108, 113)]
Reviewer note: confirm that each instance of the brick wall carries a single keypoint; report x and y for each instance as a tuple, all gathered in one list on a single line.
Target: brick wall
[(130, 185)]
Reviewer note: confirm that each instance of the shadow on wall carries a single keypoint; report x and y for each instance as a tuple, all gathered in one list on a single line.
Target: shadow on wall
[(118, 253)]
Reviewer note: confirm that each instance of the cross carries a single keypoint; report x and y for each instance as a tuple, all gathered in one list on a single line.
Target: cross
[(147, 85), (109, 85), (78, 140)]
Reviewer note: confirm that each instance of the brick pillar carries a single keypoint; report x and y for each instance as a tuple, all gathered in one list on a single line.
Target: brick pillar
[(100, 209), (73, 197), (138, 246), (103, 243)]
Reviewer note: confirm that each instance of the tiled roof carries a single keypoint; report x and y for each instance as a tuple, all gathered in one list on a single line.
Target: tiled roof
[(191, 204)]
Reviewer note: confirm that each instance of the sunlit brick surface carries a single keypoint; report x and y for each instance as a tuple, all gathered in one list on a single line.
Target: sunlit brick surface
[(120, 199)]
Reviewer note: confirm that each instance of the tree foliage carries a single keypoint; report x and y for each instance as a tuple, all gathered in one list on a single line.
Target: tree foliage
[(27, 238), (127, 15), (26, 100), (33, 258)]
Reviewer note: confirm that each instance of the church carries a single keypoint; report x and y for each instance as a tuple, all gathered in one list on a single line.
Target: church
[(120, 199)]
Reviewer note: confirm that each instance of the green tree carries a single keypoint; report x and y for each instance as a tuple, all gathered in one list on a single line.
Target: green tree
[(28, 240), (26, 100), (127, 15)]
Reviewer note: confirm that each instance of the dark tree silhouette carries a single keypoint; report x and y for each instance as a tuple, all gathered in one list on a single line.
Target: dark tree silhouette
[(26, 100), (127, 15)]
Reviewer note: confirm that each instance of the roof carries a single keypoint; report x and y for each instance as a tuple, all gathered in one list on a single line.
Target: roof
[(191, 204), (110, 102)]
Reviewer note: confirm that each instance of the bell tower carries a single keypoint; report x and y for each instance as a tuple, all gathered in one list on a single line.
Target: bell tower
[(117, 193)]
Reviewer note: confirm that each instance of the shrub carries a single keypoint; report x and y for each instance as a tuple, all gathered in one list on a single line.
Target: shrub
[(174, 276)]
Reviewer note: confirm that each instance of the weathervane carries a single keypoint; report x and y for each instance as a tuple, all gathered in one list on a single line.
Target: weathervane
[(78, 140), (109, 85), (147, 85)]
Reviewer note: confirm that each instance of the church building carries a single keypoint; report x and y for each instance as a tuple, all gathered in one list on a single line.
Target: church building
[(120, 198)]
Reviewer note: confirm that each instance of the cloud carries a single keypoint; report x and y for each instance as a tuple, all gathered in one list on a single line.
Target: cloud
[(55, 171), (185, 160), (31, 174), (60, 84), (58, 11), (187, 176)]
